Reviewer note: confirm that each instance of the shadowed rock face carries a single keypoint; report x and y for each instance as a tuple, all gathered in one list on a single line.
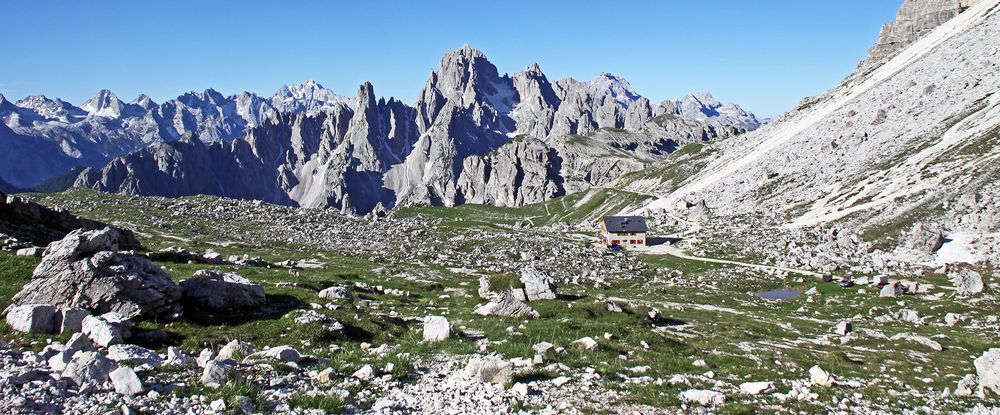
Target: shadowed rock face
[(474, 136), (41, 225), (85, 270)]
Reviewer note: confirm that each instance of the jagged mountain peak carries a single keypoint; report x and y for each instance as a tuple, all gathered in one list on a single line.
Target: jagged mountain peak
[(309, 97), (143, 101), (104, 104)]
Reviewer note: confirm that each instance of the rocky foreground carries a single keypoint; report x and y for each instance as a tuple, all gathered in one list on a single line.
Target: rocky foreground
[(245, 307)]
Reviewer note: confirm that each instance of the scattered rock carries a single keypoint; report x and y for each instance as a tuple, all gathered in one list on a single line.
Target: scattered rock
[(336, 293), (820, 377), (586, 343), (988, 370), (125, 381), (757, 388), (88, 370), (72, 320), (843, 328), (235, 350), (102, 332), (366, 372), (538, 285), (703, 397), (33, 251), (135, 355), (967, 282), (505, 305), (216, 373), (490, 369), (217, 291), (436, 328)]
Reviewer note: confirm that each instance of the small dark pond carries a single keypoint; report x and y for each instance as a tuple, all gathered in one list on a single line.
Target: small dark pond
[(782, 294)]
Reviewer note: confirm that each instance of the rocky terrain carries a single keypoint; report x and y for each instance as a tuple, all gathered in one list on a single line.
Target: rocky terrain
[(368, 256), (261, 308)]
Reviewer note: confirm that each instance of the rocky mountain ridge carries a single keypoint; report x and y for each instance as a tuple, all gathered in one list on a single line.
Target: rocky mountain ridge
[(474, 136), (908, 144)]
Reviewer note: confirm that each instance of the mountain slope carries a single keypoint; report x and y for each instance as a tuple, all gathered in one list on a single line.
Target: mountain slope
[(916, 134)]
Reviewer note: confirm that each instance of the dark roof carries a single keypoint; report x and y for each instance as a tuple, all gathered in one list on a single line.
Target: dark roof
[(625, 223)]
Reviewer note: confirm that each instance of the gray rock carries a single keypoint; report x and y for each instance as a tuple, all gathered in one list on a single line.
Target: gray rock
[(283, 354), (490, 369), (134, 355), (177, 357), (72, 320), (538, 285), (336, 293), (893, 289), (703, 397), (88, 370), (125, 381), (84, 270), (756, 388), (32, 318), (235, 349), (820, 377), (216, 291), (33, 251), (966, 386), (216, 373), (967, 282), (505, 305), (102, 332)]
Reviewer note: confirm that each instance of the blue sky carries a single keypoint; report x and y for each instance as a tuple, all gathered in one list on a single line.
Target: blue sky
[(765, 55)]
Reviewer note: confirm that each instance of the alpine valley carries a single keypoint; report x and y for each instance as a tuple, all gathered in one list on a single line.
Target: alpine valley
[(509, 244)]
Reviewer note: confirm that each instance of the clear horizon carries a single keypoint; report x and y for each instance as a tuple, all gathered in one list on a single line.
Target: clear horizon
[(764, 56)]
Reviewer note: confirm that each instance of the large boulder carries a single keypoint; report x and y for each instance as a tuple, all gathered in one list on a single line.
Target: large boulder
[(538, 285), (33, 318), (925, 238), (84, 270), (988, 370), (125, 381), (967, 282), (217, 291)]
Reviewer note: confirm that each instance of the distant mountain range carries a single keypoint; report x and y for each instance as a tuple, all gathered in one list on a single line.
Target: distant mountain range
[(473, 136)]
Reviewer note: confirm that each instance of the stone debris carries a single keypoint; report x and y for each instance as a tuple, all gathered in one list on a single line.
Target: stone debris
[(125, 381), (967, 282), (757, 388), (988, 370), (32, 318), (336, 293)]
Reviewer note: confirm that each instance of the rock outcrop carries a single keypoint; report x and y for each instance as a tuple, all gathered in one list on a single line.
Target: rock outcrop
[(30, 221), (914, 19), (85, 270)]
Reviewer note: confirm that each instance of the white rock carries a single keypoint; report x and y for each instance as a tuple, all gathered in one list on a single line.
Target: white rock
[(757, 388), (559, 381), (490, 369), (283, 353), (988, 370), (967, 282), (33, 251), (205, 357), (843, 328), (32, 318), (177, 357), (336, 293), (703, 397), (966, 386), (125, 381), (235, 349), (135, 355), (586, 343), (88, 369), (436, 328), (519, 390), (218, 405), (820, 377), (101, 332), (366, 372)]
